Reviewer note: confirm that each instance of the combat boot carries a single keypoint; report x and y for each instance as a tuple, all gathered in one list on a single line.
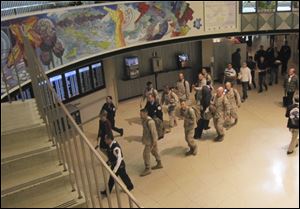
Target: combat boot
[(158, 166), (146, 172)]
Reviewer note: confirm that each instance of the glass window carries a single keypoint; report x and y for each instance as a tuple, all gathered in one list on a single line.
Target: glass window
[(85, 79), (57, 84), (71, 83), (266, 6), (295, 5), (248, 6), (284, 6), (97, 75)]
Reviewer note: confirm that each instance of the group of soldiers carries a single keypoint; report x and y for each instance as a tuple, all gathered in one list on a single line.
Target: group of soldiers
[(220, 105)]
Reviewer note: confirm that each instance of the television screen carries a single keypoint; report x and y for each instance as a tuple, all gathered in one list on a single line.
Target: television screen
[(85, 79), (97, 75), (183, 60), (71, 82), (131, 61), (57, 84)]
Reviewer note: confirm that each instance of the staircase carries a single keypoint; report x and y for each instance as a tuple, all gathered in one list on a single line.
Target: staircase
[(30, 172)]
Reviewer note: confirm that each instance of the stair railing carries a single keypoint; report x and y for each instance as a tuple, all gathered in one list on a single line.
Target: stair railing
[(88, 171)]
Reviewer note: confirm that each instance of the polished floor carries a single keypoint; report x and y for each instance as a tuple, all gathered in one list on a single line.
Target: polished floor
[(249, 168)]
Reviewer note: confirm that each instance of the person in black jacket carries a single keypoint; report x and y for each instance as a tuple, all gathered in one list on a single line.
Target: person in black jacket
[(236, 60), (154, 109), (285, 55), (104, 129), (270, 60), (110, 108), (252, 66), (203, 122), (262, 72), (117, 164), (293, 111), (260, 53)]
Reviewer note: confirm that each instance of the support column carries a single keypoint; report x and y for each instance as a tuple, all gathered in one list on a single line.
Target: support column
[(111, 79)]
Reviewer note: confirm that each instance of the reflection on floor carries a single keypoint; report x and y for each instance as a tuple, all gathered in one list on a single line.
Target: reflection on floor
[(249, 168)]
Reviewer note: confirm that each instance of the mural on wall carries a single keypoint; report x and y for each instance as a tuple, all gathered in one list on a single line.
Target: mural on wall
[(61, 37)]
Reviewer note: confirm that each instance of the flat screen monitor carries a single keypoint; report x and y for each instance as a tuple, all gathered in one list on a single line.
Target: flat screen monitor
[(97, 73), (131, 61), (183, 60), (71, 83), (57, 83), (85, 79)]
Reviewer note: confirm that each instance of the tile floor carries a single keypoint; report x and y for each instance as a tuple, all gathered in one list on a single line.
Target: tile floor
[(249, 168)]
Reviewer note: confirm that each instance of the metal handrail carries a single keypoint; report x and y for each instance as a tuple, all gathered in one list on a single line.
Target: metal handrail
[(47, 103)]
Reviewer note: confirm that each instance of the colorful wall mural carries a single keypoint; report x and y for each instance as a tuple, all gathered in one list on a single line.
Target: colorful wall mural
[(61, 37)]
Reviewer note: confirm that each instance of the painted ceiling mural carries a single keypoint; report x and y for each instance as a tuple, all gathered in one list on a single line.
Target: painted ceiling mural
[(61, 37)]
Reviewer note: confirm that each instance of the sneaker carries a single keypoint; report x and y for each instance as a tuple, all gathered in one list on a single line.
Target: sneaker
[(146, 172), (289, 153), (122, 132)]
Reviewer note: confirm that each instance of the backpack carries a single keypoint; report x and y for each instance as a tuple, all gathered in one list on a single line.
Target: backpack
[(197, 111), (159, 127), (294, 116)]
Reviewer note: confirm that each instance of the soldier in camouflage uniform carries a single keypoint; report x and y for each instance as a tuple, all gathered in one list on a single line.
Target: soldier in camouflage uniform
[(234, 99), (189, 117), (220, 109)]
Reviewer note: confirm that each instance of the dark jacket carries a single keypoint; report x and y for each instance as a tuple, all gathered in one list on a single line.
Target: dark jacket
[(285, 53), (262, 66), (236, 60), (206, 97), (287, 114), (111, 111), (251, 65), (104, 129), (260, 53), (154, 110), (270, 56)]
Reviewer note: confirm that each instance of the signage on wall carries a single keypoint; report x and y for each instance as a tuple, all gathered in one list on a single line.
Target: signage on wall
[(220, 15)]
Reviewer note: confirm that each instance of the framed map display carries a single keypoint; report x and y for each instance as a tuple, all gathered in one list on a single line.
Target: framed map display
[(220, 15)]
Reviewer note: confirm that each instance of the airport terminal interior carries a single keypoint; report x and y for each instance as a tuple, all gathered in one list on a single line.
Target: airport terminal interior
[(149, 104)]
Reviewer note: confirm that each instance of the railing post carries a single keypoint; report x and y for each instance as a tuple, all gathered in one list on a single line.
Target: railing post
[(118, 194), (77, 156), (68, 145), (87, 171), (96, 179), (106, 187)]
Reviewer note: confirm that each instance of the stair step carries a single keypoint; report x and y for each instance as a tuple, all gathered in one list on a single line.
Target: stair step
[(31, 135), (18, 174), (50, 193), (23, 149), (19, 115), (75, 203)]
